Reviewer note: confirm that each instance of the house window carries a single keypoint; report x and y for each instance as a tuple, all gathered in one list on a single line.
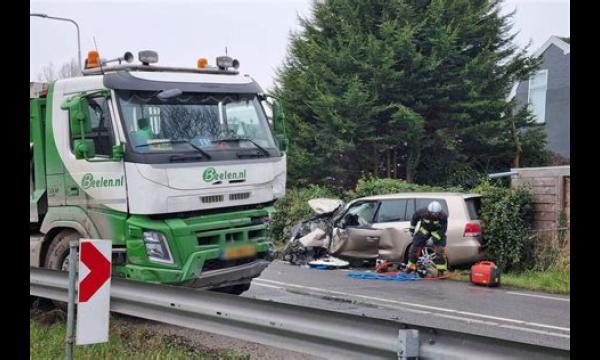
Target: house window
[(538, 85)]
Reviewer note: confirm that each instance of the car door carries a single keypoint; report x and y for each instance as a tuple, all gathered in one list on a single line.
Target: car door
[(354, 235), (393, 217)]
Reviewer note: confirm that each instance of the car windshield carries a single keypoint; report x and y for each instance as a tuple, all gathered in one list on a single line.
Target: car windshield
[(208, 123), (363, 212)]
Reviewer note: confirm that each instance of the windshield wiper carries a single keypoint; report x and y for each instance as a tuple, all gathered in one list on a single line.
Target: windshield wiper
[(265, 151), (169, 141)]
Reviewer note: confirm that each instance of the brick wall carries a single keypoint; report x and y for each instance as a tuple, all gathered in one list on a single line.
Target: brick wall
[(550, 187)]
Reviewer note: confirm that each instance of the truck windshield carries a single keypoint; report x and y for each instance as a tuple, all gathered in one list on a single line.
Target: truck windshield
[(208, 123)]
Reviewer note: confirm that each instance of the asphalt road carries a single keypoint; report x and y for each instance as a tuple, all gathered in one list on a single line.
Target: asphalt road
[(514, 314)]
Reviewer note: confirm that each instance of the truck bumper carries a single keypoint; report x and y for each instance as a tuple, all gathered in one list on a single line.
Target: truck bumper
[(197, 245), (196, 272), (229, 276)]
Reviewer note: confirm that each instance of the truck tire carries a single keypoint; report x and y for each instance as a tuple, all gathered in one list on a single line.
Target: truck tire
[(58, 254)]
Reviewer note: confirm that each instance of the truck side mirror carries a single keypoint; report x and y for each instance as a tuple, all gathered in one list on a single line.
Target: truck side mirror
[(117, 152), (84, 149), (79, 116), (80, 124), (279, 126)]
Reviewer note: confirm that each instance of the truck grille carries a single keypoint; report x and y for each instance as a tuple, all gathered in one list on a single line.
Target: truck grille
[(255, 233), (211, 199), (239, 196)]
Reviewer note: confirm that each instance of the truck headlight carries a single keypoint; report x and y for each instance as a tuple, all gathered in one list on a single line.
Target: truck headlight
[(279, 186), (157, 248)]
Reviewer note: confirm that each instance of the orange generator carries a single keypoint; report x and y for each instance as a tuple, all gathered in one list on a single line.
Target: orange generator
[(485, 273)]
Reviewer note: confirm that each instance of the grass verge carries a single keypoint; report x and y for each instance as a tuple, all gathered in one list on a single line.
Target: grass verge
[(552, 280), (47, 331)]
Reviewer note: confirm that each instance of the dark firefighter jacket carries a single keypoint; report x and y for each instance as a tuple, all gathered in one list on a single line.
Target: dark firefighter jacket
[(430, 227)]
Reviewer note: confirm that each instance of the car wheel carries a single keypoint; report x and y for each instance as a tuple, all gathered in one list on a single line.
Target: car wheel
[(409, 249)]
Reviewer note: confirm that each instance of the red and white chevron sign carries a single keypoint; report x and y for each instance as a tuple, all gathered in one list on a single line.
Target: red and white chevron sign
[(94, 291)]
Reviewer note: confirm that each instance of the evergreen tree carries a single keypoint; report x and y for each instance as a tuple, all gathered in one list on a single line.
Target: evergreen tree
[(413, 89)]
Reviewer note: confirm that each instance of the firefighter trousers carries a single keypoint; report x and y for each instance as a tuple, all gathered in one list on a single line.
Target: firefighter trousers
[(419, 241)]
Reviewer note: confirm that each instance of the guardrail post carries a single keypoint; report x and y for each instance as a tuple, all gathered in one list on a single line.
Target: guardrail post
[(408, 344), (71, 304)]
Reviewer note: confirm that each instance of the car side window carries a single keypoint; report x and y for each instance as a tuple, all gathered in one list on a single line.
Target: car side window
[(410, 209), (392, 210), (102, 131), (423, 202)]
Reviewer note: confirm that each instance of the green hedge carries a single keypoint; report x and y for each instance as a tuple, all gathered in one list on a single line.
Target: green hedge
[(375, 186), (507, 215)]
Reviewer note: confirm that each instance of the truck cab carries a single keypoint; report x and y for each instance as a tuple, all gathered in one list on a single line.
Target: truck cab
[(178, 167)]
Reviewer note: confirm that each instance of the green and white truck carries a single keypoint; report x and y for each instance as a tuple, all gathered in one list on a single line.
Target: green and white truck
[(179, 167)]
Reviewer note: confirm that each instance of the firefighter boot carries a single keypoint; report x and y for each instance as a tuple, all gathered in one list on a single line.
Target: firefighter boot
[(441, 260)]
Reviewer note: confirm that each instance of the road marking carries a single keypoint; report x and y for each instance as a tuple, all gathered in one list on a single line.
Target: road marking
[(539, 296), (457, 318), (420, 312), (536, 331), (520, 322)]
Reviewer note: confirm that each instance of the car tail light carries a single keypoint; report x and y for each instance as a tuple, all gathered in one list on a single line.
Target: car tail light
[(472, 229)]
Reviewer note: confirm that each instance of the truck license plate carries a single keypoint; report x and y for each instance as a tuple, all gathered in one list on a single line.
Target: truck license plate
[(239, 252)]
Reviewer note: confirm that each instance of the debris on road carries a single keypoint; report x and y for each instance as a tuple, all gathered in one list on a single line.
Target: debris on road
[(329, 262)]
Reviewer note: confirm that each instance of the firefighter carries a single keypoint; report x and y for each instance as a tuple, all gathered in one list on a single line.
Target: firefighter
[(433, 223)]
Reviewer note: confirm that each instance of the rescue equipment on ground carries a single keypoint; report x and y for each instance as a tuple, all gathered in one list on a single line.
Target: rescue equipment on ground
[(398, 276), (485, 273), (328, 262)]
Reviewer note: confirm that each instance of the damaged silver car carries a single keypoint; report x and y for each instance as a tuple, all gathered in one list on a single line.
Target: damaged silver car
[(376, 227), (309, 239)]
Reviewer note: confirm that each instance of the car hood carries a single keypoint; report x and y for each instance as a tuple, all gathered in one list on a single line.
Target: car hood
[(324, 205)]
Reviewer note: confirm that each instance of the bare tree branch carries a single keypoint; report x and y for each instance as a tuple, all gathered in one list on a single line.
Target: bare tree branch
[(67, 70)]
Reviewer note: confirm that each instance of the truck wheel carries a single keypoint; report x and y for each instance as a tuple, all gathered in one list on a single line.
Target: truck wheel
[(57, 257), (234, 289)]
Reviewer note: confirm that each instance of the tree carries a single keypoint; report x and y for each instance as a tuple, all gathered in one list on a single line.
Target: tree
[(69, 69), (400, 88)]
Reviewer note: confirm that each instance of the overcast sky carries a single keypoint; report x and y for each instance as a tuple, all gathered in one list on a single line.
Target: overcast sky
[(255, 31)]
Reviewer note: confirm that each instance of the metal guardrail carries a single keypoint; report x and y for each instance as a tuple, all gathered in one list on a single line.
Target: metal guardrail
[(322, 333)]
